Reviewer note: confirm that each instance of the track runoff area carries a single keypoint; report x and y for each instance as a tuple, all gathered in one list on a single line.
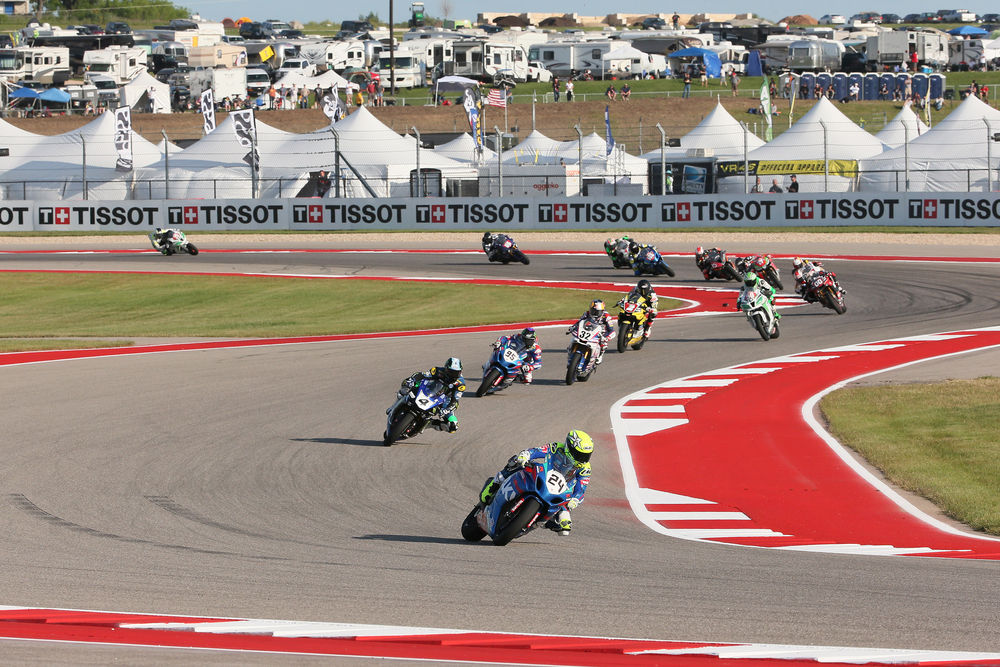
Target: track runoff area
[(650, 426)]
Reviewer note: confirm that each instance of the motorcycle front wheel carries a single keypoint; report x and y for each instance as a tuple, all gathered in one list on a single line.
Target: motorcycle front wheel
[(758, 324), (517, 522), (834, 302), (624, 334), (471, 531), (491, 378), (666, 269), (521, 257), (574, 363), (398, 428), (192, 249)]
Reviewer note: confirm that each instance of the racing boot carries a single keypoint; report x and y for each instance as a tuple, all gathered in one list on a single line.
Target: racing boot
[(561, 523)]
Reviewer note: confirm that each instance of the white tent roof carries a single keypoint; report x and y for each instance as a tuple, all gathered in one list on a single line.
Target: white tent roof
[(823, 125), (951, 156), (623, 52), (133, 91), (717, 131), (906, 125), (327, 79), (463, 149)]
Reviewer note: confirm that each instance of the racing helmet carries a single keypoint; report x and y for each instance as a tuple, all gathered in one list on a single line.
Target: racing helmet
[(528, 336), (596, 308), (750, 279), (486, 236), (797, 263), (644, 288), (452, 369), (633, 247), (699, 251), (577, 447), (760, 261)]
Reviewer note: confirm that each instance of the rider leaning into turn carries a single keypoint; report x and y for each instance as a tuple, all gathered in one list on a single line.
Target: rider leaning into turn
[(526, 342), (492, 244), (160, 238), (644, 289), (634, 249), (803, 270), (751, 282), (450, 376), (570, 457), (598, 314), (704, 258), (611, 246)]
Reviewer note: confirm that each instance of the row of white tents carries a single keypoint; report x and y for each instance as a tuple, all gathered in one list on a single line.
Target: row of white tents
[(951, 156)]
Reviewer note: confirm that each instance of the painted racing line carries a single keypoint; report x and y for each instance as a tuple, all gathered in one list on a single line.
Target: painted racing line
[(437, 644), (735, 456)]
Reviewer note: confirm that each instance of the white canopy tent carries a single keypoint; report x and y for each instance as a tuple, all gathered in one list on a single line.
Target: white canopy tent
[(822, 134), (463, 148), (718, 134), (950, 157), (326, 80), (146, 88), (905, 126)]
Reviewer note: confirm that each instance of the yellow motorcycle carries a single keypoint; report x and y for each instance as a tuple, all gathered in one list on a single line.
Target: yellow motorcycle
[(632, 318)]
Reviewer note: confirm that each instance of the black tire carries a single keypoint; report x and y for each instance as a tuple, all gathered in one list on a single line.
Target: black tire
[(772, 277), (638, 346), (730, 272), (471, 531), (670, 272), (489, 381), (192, 249), (624, 333), (571, 368), (398, 428), (835, 302), (525, 513), (777, 331), (758, 323), (520, 256)]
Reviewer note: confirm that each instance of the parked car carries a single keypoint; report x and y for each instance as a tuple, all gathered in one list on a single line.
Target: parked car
[(300, 65), (537, 72), (929, 17), (891, 18), (117, 28), (653, 23), (254, 30), (490, 28), (356, 26), (290, 33), (832, 19), (234, 39), (989, 18)]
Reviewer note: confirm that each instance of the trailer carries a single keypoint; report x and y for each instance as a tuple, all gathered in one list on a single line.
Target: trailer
[(223, 82), (565, 59), (815, 55), (217, 55), (336, 56), (487, 61), (44, 64)]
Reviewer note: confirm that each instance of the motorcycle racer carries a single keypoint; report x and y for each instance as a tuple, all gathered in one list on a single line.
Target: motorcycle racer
[(804, 270), (161, 239), (571, 457), (450, 375), (492, 244), (644, 289), (599, 315), (618, 249), (751, 282), (704, 258), (525, 341)]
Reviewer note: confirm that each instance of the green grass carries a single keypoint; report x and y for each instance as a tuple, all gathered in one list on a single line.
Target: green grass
[(83, 305), (939, 440)]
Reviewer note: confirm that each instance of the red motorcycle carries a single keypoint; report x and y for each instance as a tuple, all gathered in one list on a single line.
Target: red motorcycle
[(763, 266), (824, 288), (718, 265)]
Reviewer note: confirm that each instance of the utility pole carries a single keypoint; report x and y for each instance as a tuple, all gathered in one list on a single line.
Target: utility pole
[(392, 56)]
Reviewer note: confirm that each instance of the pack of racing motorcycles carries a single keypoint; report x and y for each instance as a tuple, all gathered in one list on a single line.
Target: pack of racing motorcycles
[(538, 487)]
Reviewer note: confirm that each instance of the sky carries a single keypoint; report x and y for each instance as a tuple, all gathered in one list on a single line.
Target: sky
[(309, 10)]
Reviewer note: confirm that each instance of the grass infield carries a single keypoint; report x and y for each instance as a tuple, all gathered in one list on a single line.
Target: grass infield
[(939, 440), (39, 305)]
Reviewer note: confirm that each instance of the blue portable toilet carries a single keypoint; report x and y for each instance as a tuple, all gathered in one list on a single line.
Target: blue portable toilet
[(869, 90), (856, 78), (840, 86), (754, 67), (807, 81), (824, 80), (890, 83), (920, 85), (936, 85)]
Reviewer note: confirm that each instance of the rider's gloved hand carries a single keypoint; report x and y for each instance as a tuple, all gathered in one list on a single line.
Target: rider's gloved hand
[(523, 458), (573, 503)]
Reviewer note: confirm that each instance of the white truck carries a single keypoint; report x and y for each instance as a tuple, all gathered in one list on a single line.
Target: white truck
[(223, 82), (45, 64), (121, 63)]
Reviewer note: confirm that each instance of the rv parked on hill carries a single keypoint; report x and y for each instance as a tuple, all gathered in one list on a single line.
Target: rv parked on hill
[(44, 64), (121, 63)]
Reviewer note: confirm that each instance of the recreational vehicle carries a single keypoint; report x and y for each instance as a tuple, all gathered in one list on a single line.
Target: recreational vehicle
[(564, 59), (487, 61), (815, 55), (337, 56), (218, 55), (121, 63), (409, 69), (223, 82), (44, 64)]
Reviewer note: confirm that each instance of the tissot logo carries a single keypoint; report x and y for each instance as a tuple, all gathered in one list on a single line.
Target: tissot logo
[(553, 212), (800, 210), (924, 208), (432, 213), (58, 215), (182, 215)]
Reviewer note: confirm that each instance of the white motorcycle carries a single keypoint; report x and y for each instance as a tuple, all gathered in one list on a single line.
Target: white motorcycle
[(584, 351), (174, 243), (759, 313)]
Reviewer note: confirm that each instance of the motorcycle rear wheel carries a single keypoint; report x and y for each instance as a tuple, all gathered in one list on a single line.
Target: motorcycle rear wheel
[(772, 277), (489, 381), (574, 363), (517, 523), (398, 428), (730, 272), (471, 531)]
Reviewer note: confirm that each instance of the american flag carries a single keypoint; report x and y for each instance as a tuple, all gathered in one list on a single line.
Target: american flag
[(497, 97)]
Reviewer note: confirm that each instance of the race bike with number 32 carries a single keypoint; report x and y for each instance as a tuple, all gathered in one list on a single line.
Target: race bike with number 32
[(526, 500)]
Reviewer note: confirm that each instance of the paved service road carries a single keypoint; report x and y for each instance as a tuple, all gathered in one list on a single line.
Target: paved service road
[(252, 482)]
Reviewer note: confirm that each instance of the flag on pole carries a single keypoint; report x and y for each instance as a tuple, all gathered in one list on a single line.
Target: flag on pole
[(245, 127), (497, 97), (607, 130), (123, 138), (208, 110), (765, 107), (471, 103)]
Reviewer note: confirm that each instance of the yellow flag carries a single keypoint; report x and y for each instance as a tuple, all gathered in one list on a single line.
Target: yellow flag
[(266, 53)]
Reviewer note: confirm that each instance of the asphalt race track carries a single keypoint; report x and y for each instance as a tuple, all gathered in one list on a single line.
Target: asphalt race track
[(252, 482)]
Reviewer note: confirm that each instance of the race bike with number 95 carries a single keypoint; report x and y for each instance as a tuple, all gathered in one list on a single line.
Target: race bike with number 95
[(503, 367), (525, 500)]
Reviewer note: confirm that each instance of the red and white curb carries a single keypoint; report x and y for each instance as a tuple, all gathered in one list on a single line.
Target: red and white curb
[(734, 455), (438, 644)]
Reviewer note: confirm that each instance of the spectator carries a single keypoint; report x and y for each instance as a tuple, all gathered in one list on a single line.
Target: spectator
[(772, 89), (626, 92), (570, 88), (687, 83), (555, 88), (855, 91), (675, 20), (757, 187), (794, 185), (322, 184), (611, 93), (734, 83), (774, 186)]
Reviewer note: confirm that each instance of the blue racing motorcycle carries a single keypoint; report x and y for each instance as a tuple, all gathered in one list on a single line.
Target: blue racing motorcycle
[(413, 410), (525, 500), (503, 367), (649, 260)]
